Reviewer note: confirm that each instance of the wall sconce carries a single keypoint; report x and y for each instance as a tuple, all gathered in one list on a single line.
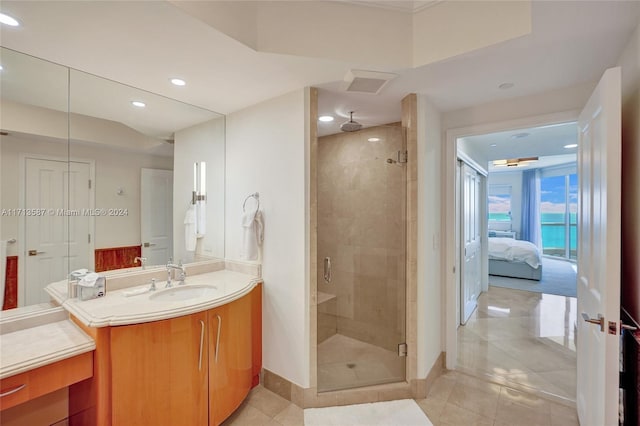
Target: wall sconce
[(199, 182)]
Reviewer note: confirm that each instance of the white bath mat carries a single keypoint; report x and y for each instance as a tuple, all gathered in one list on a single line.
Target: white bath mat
[(404, 412)]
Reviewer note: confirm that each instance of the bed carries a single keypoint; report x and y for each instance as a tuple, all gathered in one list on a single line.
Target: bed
[(514, 258)]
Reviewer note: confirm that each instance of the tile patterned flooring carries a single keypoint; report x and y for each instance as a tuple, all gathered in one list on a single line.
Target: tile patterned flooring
[(345, 363), (455, 399), (520, 338)]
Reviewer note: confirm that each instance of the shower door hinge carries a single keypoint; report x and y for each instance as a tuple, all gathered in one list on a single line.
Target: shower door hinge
[(402, 349), (403, 156)]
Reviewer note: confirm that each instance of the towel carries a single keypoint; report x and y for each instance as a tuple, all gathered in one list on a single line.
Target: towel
[(190, 228), (3, 269), (201, 218), (252, 234)]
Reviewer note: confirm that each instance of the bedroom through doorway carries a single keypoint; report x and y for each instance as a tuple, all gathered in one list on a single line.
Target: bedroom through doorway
[(516, 195)]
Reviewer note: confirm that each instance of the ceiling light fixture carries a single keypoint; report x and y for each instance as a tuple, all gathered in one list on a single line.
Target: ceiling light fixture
[(493, 145), (8, 20), (571, 145), (520, 135), (1, 68), (515, 162), (374, 139), (505, 86), (138, 104), (178, 82), (325, 118)]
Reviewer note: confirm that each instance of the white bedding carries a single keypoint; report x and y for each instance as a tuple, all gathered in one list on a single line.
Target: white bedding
[(514, 251)]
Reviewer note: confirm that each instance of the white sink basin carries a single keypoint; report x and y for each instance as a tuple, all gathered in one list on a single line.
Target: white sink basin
[(184, 292)]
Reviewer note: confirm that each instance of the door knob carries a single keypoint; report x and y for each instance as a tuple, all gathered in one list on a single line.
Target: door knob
[(599, 320), (148, 244), (34, 252)]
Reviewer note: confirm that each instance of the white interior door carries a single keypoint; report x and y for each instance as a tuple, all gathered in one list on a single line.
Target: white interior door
[(156, 215), (471, 267), (53, 188), (599, 165)]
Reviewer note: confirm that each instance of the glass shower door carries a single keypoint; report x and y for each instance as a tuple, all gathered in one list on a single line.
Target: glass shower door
[(361, 257)]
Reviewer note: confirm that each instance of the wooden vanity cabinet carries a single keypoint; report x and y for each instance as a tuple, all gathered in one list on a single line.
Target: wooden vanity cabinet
[(193, 370), (160, 372), (230, 358)]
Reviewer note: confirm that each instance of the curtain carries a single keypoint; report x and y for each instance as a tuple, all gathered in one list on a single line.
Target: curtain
[(531, 229)]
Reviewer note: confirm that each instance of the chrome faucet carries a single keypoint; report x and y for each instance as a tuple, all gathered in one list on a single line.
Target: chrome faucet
[(180, 267), (142, 261)]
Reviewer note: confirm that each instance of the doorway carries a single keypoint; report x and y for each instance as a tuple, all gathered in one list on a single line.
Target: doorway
[(523, 336)]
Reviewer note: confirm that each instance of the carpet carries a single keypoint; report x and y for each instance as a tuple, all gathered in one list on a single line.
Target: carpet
[(558, 277), (404, 412)]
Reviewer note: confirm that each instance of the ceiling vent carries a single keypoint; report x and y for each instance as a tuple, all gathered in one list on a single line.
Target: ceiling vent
[(372, 82)]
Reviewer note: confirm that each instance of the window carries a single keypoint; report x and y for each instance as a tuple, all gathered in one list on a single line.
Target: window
[(558, 214), (500, 203)]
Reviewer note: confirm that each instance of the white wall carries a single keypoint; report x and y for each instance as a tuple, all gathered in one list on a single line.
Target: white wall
[(513, 179), (559, 100), (630, 63), (266, 153), (430, 294), (202, 142)]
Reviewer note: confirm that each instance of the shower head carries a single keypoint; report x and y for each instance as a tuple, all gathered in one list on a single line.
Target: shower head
[(350, 126)]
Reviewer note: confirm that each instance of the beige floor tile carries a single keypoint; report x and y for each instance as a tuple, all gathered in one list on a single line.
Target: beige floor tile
[(519, 408), (563, 416), (475, 395), (537, 355), (292, 415), (247, 415), (266, 401), (454, 415), (433, 408), (442, 387)]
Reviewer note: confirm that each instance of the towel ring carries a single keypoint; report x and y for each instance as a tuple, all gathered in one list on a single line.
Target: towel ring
[(254, 195)]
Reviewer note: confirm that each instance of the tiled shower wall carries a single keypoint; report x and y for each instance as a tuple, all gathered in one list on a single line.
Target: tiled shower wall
[(362, 228)]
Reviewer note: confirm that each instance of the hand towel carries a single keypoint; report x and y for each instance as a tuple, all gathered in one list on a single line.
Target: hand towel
[(3, 269), (201, 218), (190, 234), (252, 234)]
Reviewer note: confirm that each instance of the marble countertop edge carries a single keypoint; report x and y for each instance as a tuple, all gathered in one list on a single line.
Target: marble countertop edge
[(33, 363)]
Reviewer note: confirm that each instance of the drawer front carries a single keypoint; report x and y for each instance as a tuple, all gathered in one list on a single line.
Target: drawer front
[(40, 381)]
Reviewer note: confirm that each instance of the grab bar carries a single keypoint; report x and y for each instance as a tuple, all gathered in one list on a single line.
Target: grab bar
[(327, 269)]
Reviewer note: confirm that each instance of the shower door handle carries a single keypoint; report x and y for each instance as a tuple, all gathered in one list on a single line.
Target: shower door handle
[(327, 269)]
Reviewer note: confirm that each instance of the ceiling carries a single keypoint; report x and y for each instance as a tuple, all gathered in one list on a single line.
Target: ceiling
[(143, 44), (529, 142)]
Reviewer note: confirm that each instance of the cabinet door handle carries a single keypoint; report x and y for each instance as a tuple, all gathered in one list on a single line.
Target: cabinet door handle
[(201, 344), (12, 391), (218, 337)]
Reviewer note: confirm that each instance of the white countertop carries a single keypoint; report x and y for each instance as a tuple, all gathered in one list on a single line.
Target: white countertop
[(117, 309), (33, 347)]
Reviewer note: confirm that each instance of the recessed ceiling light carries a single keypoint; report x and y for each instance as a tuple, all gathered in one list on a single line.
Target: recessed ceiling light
[(505, 86), (493, 145), (1, 68), (520, 135), (325, 118), (138, 104), (571, 145), (374, 139), (8, 20), (178, 82)]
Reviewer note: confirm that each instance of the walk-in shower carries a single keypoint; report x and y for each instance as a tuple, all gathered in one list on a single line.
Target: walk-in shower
[(361, 257)]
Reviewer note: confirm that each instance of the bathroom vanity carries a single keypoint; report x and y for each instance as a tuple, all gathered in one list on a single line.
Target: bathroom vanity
[(188, 354)]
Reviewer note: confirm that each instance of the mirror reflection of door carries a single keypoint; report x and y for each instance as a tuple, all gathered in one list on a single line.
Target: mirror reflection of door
[(471, 245), (156, 209), (51, 187)]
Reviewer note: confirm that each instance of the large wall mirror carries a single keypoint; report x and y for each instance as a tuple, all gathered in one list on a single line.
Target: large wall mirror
[(96, 174)]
